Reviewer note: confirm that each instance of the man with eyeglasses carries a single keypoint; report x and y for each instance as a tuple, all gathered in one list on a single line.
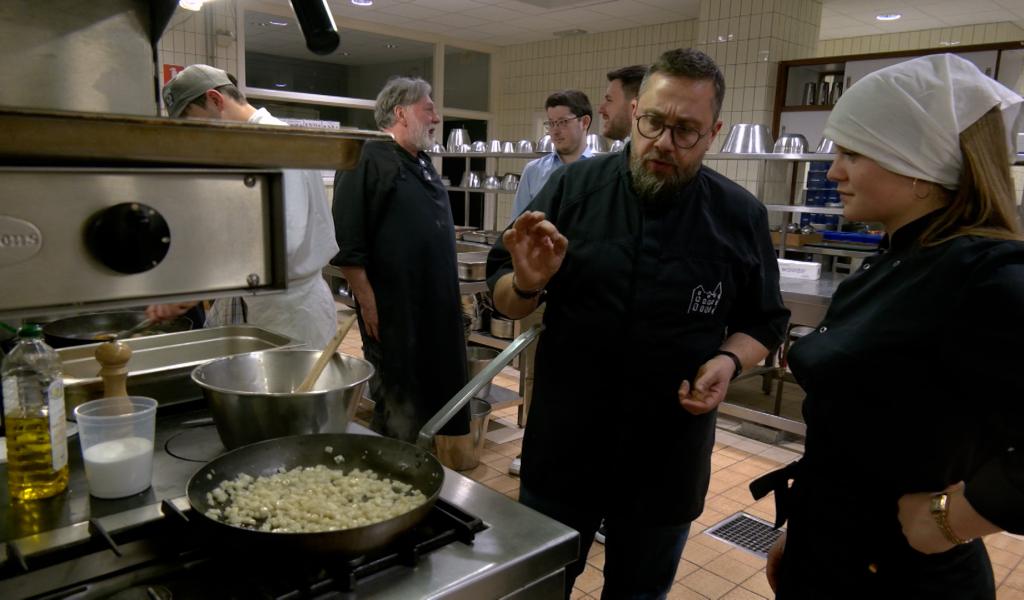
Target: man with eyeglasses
[(649, 252), (397, 251), (569, 115)]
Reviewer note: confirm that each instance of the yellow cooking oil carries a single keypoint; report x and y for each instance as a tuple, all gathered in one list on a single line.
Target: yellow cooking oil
[(30, 472)]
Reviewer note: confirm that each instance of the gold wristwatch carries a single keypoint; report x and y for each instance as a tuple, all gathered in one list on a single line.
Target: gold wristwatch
[(940, 512)]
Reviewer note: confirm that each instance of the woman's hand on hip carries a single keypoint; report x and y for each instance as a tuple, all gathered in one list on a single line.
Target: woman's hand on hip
[(537, 249)]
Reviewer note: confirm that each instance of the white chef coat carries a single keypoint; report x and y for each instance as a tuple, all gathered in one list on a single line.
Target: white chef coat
[(306, 310)]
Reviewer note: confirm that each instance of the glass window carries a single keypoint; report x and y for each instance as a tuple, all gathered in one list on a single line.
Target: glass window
[(467, 79), (276, 58)]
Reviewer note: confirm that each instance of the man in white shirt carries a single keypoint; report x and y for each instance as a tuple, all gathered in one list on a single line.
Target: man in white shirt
[(569, 116), (306, 310)]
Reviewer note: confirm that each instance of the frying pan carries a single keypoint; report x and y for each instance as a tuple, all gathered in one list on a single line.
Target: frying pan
[(388, 457), (89, 328), (394, 459)]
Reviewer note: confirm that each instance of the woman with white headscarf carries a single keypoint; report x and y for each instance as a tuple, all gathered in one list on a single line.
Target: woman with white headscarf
[(915, 401)]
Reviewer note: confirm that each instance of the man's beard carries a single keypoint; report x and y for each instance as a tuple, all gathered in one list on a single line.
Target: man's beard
[(653, 189), (421, 137)]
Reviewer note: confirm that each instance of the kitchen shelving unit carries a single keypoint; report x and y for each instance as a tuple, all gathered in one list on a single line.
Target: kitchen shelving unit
[(490, 195)]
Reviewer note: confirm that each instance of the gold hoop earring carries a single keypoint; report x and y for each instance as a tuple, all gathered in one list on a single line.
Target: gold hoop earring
[(913, 189)]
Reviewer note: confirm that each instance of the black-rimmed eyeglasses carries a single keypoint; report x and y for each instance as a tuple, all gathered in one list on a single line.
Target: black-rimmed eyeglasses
[(684, 138), (549, 125)]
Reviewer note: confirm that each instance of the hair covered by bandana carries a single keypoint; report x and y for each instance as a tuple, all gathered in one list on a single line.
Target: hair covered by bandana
[(908, 117)]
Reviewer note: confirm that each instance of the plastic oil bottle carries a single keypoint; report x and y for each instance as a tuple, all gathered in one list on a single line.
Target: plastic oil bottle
[(37, 444)]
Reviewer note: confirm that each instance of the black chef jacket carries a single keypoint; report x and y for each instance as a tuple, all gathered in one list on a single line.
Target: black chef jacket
[(392, 217), (643, 298), (912, 385)]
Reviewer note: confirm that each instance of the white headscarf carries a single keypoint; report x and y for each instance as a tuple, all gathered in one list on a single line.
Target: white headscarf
[(908, 117)]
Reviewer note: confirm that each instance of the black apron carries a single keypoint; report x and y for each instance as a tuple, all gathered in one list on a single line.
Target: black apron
[(421, 355)]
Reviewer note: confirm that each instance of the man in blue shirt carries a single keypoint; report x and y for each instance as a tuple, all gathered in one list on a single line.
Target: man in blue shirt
[(569, 116)]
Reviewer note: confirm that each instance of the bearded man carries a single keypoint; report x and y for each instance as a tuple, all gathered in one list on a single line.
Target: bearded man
[(397, 250), (653, 259)]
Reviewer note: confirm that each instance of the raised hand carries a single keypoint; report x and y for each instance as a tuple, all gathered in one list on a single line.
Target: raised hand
[(537, 249)]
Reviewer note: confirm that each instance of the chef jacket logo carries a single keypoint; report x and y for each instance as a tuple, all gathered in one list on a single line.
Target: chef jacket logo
[(704, 301)]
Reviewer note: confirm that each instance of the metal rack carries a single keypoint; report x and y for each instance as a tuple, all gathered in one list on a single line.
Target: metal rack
[(489, 194)]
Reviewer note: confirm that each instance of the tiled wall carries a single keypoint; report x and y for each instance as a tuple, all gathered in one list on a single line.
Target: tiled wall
[(208, 36), (748, 38), (926, 38), (529, 72)]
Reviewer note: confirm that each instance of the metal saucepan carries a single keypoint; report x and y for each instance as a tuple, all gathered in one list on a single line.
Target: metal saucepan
[(472, 269), (388, 457), (97, 327)]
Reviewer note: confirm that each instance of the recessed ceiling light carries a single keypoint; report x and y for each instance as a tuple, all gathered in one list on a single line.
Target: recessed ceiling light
[(346, 54), (888, 16), (279, 23), (190, 4), (363, 2), (390, 45), (280, 85)]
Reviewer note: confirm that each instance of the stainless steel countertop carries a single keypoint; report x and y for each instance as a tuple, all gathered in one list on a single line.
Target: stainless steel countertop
[(519, 546), (807, 290)]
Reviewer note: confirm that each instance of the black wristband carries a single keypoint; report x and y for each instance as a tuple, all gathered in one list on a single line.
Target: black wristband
[(735, 361), (525, 294)]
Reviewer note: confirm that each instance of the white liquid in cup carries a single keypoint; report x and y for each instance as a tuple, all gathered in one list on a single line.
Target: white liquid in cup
[(119, 468)]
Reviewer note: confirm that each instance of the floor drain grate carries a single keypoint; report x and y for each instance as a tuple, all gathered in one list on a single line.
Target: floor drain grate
[(744, 531)]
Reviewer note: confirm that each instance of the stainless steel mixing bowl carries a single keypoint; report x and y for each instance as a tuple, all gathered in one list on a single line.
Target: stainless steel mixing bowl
[(252, 399)]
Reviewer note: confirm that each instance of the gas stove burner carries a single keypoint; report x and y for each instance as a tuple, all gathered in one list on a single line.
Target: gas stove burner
[(143, 592), (195, 444)]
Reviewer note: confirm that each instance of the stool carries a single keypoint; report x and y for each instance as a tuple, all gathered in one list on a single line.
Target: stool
[(794, 333)]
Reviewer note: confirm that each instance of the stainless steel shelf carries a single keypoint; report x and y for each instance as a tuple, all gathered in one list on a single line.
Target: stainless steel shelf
[(488, 154), (826, 251), (453, 188), (809, 156), (820, 210)]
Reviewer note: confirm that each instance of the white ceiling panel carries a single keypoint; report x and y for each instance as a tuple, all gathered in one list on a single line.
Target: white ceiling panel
[(520, 21)]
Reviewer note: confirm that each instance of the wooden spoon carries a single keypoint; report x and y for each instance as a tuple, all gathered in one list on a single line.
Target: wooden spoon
[(326, 356)]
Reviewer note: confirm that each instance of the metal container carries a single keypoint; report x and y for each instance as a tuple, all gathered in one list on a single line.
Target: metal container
[(252, 399), (480, 147), (479, 418), (98, 327), (545, 144), (478, 237), (617, 146), (826, 146), (524, 146), (596, 143), (824, 92), (494, 147), (837, 92), (472, 266), (161, 365), (491, 182), (456, 138), (510, 182), (508, 148), (502, 328), (747, 138), (477, 357), (790, 143), (810, 93), (436, 148), (471, 179)]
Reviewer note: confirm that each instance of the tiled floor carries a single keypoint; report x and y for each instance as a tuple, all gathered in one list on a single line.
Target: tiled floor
[(709, 568)]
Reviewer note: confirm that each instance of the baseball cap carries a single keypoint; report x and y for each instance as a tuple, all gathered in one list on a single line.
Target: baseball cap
[(190, 84)]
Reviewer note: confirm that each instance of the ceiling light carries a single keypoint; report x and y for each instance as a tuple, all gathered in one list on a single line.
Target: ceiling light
[(888, 16), (278, 23), (363, 2), (390, 45), (190, 4), (280, 85)]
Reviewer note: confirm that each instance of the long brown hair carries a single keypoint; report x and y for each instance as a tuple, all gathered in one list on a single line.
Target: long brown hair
[(983, 205)]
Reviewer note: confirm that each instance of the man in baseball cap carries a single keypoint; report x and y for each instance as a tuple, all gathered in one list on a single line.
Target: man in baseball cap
[(191, 92)]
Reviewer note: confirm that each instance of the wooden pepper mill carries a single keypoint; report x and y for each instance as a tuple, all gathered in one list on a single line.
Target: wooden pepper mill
[(113, 357)]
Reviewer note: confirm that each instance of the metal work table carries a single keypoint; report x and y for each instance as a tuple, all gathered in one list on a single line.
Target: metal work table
[(809, 299), (521, 554)]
